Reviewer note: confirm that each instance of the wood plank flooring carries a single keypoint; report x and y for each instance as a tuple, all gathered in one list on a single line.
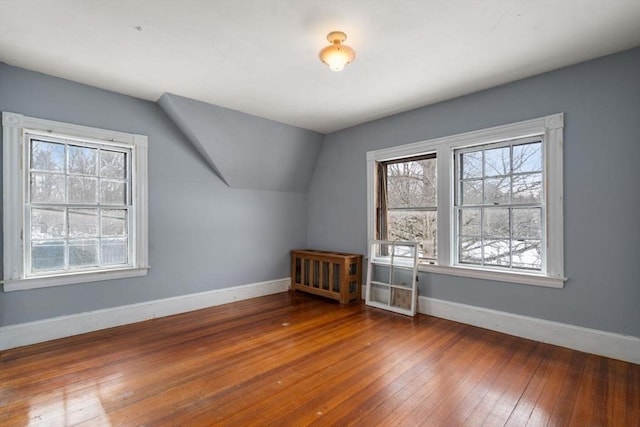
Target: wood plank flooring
[(292, 359)]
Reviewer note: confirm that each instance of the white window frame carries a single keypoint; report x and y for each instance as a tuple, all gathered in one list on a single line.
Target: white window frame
[(550, 129), (16, 128)]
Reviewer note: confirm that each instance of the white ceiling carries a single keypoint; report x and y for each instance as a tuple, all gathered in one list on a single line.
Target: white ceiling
[(261, 56)]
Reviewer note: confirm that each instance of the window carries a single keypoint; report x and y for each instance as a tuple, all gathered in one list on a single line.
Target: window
[(77, 203), (491, 207), (407, 203), (500, 205)]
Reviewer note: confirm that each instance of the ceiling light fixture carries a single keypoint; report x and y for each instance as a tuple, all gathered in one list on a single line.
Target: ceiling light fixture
[(337, 55)]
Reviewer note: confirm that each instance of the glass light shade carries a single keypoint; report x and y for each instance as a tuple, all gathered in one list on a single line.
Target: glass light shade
[(337, 56)]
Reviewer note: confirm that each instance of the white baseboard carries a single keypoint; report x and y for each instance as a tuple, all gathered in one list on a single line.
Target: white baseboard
[(593, 341), (64, 326)]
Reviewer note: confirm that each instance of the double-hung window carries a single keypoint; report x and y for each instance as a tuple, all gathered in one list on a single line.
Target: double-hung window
[(77, 196), (499, 206), (485, 204)]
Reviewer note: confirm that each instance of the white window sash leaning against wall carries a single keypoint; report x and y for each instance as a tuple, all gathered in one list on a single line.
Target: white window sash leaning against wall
[(75, 203), (531, 255)]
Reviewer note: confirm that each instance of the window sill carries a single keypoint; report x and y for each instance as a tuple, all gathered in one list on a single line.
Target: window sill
[(71, 278), (501, 276)]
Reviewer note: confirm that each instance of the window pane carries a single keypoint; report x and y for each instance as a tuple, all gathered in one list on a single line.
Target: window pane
[(527, 188), (471, 165), (113, 164), (82, 160), (114, 251), (401, 298), (471, 192), (112, 192), (411, 184), (417, 226), (47, 156), (384, 250), (496, 190), (403, 277), (404, 251), (83, 253), (469, 224), (47, 188), (527, 157), (83, 222), (47, 223), (470, 250), (497, 162), (114, 222), (527, 254), (496, 252), (47, 255), (526, 223), (379, 293), (83, 190), (380, 273), (496, 222)]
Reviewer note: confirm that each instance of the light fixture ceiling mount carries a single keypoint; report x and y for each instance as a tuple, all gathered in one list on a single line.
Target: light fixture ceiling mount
[(337, 55)]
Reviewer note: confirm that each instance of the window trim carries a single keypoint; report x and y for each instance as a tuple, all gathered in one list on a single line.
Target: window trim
[(550, 128), (15, 130)]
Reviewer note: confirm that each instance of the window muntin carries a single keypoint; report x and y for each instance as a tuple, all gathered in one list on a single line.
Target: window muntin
[(500, 205), (78, 206), (407, 203)]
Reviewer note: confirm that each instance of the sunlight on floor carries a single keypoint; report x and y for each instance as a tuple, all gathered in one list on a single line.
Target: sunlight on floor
[(66, 407)]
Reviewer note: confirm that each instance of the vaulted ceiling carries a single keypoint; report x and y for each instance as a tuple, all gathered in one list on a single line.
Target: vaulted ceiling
[(261, 56)]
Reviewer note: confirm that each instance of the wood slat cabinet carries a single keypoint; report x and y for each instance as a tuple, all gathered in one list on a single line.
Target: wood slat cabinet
[(333, 275)]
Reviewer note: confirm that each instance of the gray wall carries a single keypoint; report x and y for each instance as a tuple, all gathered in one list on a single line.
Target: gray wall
[(601, 102), (200, 230), (246, 151), (203, 235)]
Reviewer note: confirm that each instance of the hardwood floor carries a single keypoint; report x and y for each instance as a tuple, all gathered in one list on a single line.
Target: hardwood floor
[(295, 359)]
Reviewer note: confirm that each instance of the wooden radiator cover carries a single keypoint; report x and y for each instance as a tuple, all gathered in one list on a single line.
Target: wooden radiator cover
[(334, 275)]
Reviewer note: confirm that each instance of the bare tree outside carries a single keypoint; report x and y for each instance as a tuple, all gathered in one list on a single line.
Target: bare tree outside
[(412, 204)]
